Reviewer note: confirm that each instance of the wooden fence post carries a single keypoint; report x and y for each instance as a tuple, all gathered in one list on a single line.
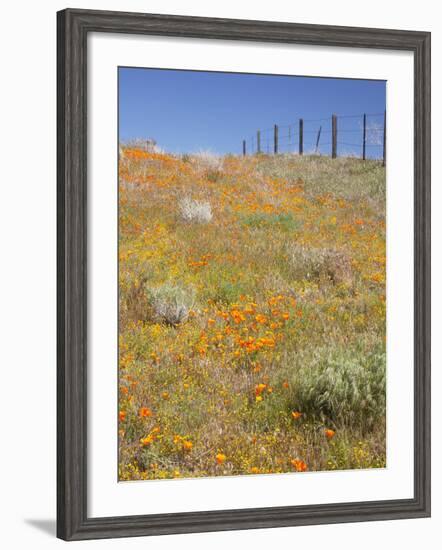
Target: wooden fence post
[(317, 139), (301, 136), (334, 136), (384, 149), (244, 148), (364, 137), (258, 141), (275, 140)]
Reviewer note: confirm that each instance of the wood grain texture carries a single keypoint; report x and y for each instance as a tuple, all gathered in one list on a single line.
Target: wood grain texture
[(72, 28)]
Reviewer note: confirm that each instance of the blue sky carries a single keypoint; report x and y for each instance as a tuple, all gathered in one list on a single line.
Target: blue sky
[(187, 111)]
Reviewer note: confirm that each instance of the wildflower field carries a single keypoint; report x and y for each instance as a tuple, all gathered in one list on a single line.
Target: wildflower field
[(251, 314)]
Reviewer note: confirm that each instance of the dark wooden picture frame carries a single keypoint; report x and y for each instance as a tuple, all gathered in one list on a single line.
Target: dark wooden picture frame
[(74, 25)]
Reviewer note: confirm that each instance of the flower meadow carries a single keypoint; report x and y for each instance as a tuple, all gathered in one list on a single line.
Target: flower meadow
[(251, 314)]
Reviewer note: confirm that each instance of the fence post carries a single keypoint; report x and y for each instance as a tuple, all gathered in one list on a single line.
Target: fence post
[(244, 148), (301, 136), (317, 139), (275, 140), (364, 137), (258, 141), (384, 149), (334, 136)]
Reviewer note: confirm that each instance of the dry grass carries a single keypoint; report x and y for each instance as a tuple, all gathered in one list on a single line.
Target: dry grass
[(252, 341)]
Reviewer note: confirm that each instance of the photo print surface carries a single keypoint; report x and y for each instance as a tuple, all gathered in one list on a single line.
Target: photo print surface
[(252, 274)]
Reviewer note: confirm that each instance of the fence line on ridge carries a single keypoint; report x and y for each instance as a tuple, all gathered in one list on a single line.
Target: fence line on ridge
[(362, 136)]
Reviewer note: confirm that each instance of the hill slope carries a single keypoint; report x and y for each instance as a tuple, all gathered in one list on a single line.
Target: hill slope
[(252, 314)]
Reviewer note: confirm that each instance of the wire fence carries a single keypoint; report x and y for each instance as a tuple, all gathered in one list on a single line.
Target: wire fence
[(362, 136)]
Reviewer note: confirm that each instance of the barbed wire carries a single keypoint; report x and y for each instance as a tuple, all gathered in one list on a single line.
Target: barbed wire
[(296, 135)]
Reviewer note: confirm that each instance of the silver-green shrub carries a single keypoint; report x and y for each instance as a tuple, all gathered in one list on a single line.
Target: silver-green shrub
[(170, 304), (346, 388), (195, 211)]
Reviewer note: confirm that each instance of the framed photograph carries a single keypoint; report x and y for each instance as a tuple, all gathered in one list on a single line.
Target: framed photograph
[(243, 274)]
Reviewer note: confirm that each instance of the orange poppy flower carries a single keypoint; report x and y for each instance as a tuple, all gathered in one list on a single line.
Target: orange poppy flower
[(237, 316), (220, 458), (144, 412), (299, 465), (296, 414), (259, 388), (187, 445), (261, 318), (329, 433), (122, 416), (145, 441)]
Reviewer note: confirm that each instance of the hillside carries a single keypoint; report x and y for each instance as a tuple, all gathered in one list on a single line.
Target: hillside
[(252, 314)]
